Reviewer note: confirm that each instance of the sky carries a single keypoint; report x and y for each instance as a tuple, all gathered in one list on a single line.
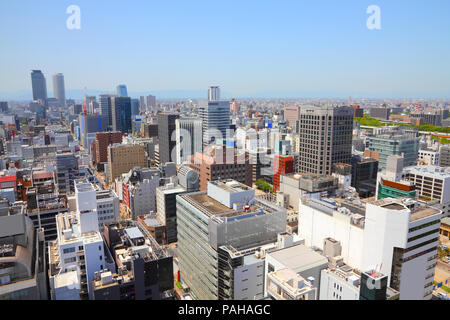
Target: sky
[(250, 48)]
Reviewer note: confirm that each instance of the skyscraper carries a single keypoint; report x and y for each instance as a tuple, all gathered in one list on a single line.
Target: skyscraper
[(325, 138), (121, 114), (214, 93), (188, 138), (150, 102), (166, 128), (215, 120), (134, 107), (38, 85), (122, 90), (58, 88), (105, 106)]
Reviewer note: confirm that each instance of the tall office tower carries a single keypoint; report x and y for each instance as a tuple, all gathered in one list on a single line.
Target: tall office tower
[(59, 91), (219, 222), (214, 93), (38, 85), (142, 102), (121, 90), (166, 137), (150, 103), (215, 121), (325, 138), (292, 116), (188, 138), (106, 107), (135, 107), (3, 106), (22, 256), (121, 114)]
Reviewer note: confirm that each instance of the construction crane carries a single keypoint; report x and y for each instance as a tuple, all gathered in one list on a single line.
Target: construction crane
[(84, 103)]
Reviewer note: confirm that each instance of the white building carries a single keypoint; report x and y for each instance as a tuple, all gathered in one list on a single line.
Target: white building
[(428, 157), (388, 230), (108, 207), (79, 246), (299, 259), (286, 284)]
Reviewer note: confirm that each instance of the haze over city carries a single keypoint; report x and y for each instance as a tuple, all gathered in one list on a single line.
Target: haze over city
[(252, 48)]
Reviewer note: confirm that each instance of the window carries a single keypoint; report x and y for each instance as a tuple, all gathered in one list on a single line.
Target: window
[(69, 250), (70, 260)]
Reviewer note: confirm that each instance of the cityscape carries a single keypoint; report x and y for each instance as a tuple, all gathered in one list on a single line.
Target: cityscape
[(212, 193)]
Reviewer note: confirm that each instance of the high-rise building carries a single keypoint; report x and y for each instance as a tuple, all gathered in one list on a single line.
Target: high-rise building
[(150, 103), (325, 138), (102, 141), (121, 90), (166, 137), (215, 120), (218, 220), (3, 106), (59, 91), (188, 138), (123, 157), (214, 93), (106, 107), (121, 114), (38, 85), (395, 143), (397, 237), (135, 107), (78, 252), (90, 124)]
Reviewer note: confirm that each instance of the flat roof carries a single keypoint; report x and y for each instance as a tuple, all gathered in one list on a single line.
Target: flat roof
[(298, 258), (134, 233)]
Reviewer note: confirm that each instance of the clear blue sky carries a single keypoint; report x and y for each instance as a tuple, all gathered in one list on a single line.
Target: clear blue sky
[(248, 47)]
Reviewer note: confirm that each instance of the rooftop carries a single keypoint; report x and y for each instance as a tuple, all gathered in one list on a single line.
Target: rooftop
[(298, 258), (430, 170)]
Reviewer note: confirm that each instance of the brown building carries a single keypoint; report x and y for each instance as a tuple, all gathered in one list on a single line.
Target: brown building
[(124, 157), (223, 165), (156, 229), (101, 143)]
